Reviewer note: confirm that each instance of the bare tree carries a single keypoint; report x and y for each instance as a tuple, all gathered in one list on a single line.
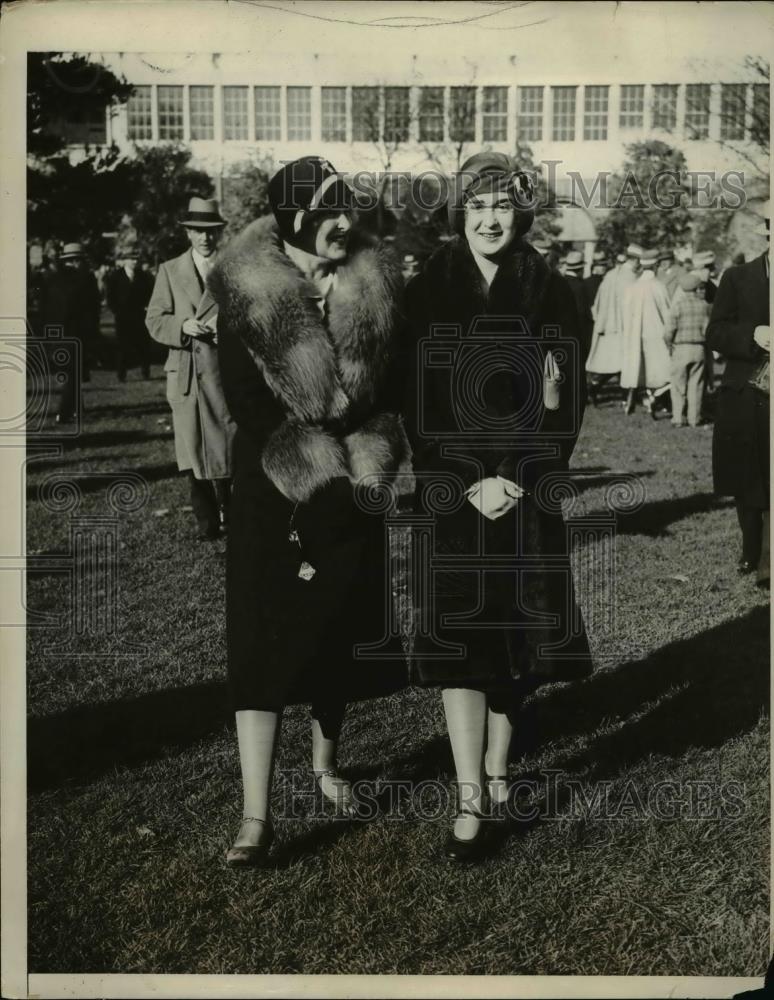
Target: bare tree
[(744, 117)]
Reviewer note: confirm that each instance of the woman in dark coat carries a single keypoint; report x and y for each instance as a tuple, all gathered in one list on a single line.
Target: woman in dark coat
[(496, 404), (308, 344)]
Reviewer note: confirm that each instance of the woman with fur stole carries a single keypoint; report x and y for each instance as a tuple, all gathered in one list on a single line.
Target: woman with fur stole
[(308, 342)]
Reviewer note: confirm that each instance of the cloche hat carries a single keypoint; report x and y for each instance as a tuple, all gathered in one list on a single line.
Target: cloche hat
[(484, 172), (303, 187)]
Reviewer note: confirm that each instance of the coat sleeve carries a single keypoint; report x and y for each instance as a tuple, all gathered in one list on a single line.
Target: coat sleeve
[(561, 426), (727, 333), (254, 408), (162, 323)]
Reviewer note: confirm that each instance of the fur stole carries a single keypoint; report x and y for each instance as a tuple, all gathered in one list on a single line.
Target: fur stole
[(328, 377)]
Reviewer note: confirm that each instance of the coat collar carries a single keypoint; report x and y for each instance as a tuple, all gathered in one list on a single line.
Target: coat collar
[(317, 371), (518, 289)]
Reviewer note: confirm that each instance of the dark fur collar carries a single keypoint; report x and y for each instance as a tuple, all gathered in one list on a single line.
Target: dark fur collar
[(316, 373), (519, 288)]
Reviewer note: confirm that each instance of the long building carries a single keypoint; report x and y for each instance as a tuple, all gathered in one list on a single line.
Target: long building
[(368, 102)]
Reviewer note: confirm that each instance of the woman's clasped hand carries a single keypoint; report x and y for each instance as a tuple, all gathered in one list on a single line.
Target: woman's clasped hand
[(494, 496)]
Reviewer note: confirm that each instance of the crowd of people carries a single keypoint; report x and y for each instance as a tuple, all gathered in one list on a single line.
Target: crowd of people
[(295, 378)]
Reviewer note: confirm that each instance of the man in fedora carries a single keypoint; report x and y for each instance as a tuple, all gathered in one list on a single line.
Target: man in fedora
[(71, 301), (182, 314), (128, 291)]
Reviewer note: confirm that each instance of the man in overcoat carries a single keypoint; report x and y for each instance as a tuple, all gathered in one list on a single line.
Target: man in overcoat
[(128, 291), (739, 330), (71, 300), (604, 360), (645, 359), (182, 314)]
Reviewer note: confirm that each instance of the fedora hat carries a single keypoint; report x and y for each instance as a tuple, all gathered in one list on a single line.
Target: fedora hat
[(70, 250), (202, 213)]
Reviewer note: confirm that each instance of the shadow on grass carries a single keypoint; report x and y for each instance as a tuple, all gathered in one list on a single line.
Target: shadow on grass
[(589, 479), (37, 465), (696, 692), (160, 408), (88, 741), (103, 480), (104, 439), (654, 518)]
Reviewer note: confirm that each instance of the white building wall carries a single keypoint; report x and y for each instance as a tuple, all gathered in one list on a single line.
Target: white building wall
[(587, 157)]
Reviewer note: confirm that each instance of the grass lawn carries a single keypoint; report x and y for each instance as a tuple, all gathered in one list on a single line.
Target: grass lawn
[(134, 783)]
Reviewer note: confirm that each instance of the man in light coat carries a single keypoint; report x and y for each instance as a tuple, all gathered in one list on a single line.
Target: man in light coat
[(604, 358), (182, 314), (645, 361)]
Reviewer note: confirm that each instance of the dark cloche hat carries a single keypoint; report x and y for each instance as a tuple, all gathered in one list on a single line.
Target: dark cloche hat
[(303, 187)]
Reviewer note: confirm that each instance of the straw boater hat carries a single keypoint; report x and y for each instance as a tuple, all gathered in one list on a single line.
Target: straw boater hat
[(203, 213), (70, 251), (574, 261), (634, 250), (649, 258)]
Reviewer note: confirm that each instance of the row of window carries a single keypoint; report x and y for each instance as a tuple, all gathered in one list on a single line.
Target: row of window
[(384, 113)]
